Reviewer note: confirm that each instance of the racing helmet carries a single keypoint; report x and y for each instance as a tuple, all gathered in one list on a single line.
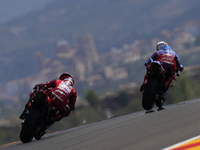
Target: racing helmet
[(67, 77), (161, 45)]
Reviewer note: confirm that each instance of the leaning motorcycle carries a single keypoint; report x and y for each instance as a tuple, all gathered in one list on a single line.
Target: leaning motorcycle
[(34, 124), (153, 93)]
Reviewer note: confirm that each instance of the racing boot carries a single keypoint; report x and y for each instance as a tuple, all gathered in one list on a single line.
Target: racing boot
[(161, 100), (24, 114), (142, 88), (53, 119), (26, 111)]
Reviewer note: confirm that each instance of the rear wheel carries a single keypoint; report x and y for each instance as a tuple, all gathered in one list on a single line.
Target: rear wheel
[(29, 126), (149, 94)]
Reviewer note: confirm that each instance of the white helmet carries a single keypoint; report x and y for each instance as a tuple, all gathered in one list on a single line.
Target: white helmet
[(160, 45)]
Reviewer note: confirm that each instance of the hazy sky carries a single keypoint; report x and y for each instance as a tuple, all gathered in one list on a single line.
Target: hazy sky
[(14, 8)]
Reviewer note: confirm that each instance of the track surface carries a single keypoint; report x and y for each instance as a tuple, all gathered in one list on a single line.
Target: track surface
[(136, 131)]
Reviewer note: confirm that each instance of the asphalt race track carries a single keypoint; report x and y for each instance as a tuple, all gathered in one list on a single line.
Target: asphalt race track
[(136, 131)]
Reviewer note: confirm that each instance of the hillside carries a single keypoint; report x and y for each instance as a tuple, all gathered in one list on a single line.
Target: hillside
[(112, 24), (12, 8)]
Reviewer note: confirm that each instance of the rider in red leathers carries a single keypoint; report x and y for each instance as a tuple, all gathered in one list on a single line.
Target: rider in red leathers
[(170, 62), (62, 95)]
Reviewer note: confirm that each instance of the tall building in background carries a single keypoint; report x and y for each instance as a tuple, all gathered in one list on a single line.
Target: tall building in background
[(87, 48)]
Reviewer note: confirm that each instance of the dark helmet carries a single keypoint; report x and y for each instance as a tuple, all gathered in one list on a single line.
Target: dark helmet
[(161, 45), (67, 77)]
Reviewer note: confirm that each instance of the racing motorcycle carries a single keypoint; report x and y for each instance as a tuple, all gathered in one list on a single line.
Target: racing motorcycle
[(34, 124), (153, 93)]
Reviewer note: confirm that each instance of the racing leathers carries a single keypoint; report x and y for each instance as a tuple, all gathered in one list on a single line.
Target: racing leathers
[(62, 95), (170, 62)]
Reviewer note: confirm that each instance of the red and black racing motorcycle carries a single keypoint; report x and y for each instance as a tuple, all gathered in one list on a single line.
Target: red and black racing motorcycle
[(34, 123), (153, 93)]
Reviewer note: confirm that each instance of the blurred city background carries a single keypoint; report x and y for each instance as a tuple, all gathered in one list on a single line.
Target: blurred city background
[(104, 44)]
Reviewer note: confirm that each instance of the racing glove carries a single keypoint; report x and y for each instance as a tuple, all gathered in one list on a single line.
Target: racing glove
[(181, 68), (39, 86)]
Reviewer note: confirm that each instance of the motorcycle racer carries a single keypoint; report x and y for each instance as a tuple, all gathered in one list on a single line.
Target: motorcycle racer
[(170, 62), (62, 95)]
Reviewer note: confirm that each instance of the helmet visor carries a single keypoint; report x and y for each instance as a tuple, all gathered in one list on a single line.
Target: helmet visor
[(64, 77), (160, 46)]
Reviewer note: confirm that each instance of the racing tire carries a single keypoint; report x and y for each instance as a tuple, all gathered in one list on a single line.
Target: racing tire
[(29, 126), (149, 94)]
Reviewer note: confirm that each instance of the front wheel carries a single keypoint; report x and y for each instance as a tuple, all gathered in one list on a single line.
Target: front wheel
[(29, 126), (149, 94)]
